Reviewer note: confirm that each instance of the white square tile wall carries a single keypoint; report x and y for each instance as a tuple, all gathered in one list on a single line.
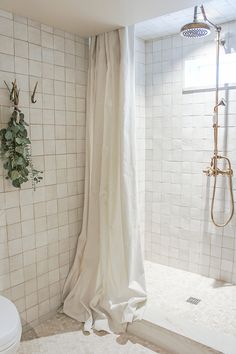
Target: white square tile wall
[(140, 128), (179, 144), (39, 230)]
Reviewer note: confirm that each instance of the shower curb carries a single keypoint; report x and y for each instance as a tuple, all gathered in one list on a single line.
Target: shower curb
[(179, 337), (172, 342)]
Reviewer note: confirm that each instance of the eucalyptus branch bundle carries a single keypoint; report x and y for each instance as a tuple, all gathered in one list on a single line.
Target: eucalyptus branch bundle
[(15, 147)]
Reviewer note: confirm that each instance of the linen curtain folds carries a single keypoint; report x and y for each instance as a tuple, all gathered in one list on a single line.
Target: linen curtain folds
[(105, 288)]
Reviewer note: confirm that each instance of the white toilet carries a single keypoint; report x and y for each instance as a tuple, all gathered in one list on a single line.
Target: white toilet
[(10, 327)]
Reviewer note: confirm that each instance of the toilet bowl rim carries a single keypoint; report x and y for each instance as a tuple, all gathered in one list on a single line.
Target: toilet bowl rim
[(13, 334), (15, 338)]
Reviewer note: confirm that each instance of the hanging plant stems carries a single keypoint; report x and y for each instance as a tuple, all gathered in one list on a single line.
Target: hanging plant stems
[(16, 146)]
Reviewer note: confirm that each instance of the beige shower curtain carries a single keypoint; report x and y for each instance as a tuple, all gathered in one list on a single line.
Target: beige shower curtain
[(105, 288)]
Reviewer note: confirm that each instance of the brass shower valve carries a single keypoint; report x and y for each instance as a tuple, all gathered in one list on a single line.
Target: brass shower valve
[(210, 171), (213, 170)]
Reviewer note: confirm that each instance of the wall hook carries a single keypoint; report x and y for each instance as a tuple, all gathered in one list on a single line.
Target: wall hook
[(13, 93), (33, 100)]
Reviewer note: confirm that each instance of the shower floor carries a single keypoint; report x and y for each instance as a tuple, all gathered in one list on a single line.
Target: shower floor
[(169, 288), (211, 321)]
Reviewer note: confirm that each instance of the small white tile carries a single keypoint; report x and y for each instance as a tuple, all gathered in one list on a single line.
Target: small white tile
[(37, 148), (21, 65), (36, 132), (6, 62), (69, 46), (15, 247), (27, 212), (59, 58), (13, 215), (48, 71), (48, 101), (48, 86), (36, 116), (59, 88), (48, 56), (4, 282), (35, 52), (6, 27), (20, 31), (6, 45), (59, 73), (27, 227), (34, 35), (35, 68), (16, 262), (21, 49), (11, 199), (47, 39), (59, 43), (48, 132), (60, 103)]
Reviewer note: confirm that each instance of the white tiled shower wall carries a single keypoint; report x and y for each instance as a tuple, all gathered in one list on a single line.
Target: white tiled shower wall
[(179, 143), (38, 230), (140, 127)]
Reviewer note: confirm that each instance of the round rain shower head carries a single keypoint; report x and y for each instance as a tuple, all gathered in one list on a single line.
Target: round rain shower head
[(195, 30)]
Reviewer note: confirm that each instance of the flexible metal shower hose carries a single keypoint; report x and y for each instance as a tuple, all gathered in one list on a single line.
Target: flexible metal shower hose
[(229, 174)]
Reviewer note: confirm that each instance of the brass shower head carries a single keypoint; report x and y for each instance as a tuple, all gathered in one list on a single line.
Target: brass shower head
[(196, 29)]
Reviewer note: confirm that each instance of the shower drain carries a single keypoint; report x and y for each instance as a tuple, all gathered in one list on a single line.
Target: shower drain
[(193, 300)]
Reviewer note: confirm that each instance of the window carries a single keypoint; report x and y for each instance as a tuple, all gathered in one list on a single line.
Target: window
[(201, 72)]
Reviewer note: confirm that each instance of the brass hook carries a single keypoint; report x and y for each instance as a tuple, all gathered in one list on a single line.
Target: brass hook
[(14, 93), (33, 95)]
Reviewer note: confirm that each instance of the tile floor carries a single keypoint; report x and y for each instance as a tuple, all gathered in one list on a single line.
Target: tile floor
[(63, 335)]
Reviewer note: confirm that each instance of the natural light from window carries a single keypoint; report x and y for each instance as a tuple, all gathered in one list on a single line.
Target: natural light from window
[(200, 73)]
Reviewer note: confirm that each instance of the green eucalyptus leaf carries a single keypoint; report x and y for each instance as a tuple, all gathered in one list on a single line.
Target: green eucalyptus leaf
[(15, 175), (8, 135), (14, 115), (19, 140), (20, 150), (16, 183), (7, 154), (20, 161), (21, 127), (15, 129)]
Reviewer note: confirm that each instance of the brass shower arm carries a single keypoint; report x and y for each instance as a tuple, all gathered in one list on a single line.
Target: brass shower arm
[(217, 28)]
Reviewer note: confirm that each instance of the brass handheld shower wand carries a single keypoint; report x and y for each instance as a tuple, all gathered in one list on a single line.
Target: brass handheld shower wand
[(198, 29)]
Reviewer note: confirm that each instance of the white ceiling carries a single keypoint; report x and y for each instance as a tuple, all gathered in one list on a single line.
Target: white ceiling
[(88, 17), (218, 11)]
